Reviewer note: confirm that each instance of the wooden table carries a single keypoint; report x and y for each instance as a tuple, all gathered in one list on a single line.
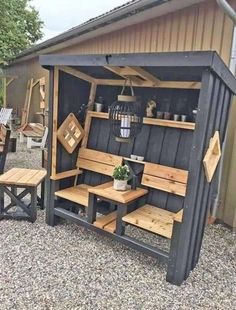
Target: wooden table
[(28, 180), (122, 199)]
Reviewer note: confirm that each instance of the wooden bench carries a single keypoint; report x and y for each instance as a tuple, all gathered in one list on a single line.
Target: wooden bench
[(152, 218), (100, 162), (32, 130)]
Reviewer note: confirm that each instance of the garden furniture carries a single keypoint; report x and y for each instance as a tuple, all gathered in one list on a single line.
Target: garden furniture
[(18, 178)]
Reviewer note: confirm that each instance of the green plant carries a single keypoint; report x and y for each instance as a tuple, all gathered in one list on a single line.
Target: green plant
[(20, 27), (121, 173)]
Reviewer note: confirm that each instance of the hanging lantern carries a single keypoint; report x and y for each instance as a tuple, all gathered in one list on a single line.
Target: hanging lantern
[(125, 116)]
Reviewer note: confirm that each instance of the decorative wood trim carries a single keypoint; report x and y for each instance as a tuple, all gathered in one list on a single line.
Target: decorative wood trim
[(161, 84), (25, 111), (55, 121), (77, 74), (145, 75), (70, 133), (66, 174), (151, 121), (92, 96), (178, 217), (87, 128), (212, 156)]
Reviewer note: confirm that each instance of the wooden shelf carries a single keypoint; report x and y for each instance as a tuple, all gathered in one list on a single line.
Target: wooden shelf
[(152, 121)]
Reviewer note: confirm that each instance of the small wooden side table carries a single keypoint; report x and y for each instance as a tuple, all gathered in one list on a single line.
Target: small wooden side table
[(28, 180), (122, 199)]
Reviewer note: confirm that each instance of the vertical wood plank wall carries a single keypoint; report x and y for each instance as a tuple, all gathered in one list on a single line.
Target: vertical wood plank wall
[(199, 27)]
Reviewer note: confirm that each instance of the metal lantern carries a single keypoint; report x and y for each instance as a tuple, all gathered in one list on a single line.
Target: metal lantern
[(125, 117)]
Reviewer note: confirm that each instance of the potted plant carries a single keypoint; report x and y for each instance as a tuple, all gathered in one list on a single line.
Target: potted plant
[(121, 175)]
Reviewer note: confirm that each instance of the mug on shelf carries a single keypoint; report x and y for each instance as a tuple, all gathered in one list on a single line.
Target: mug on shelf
[(159, 115), (176, 117), (167, 115)]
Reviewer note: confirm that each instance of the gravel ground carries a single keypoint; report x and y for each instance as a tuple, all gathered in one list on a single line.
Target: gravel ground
[(68, 267)]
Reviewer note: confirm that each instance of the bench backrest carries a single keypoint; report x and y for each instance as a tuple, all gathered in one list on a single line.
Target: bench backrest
[(168, 179), (99, 162)]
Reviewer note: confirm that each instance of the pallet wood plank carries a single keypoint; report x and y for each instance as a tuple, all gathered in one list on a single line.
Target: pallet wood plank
[(37, 178), (102, 157), (150, 222), (166, 172), (152, 121), (22, 177), (26, 177), (102, 221), (95, 166), (119, 196), (111, 227), (77, 194), (164, 185)]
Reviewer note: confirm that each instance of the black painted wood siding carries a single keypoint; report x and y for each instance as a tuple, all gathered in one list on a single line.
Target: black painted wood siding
[(162, 145), (214, 103)]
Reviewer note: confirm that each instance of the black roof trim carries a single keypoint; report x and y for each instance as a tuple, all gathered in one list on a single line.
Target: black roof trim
[(208, 59)]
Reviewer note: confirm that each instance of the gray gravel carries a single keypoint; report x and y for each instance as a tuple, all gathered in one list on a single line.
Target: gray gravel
[(68, 267)]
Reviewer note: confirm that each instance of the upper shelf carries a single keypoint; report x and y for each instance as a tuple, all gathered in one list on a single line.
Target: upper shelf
[(152, 121)]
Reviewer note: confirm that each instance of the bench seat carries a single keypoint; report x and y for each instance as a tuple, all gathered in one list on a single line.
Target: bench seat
[(78, 194), (153, 219)]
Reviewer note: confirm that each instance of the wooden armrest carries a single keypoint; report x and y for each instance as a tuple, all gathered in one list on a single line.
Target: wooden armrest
[(178, 216), (66, 174)]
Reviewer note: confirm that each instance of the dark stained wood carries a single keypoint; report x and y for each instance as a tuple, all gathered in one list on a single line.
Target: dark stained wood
[(174, 147)]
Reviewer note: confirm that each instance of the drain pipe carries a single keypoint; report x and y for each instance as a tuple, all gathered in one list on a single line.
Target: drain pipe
[(224, 5)]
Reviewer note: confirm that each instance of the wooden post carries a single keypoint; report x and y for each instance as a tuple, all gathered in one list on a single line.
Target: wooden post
[(92, 96), (55, 121), (25, 111)]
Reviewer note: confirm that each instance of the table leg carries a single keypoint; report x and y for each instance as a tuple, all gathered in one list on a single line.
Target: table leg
[(14, 192), (92, 208), (42, 195), (120, 226), (33, 206)]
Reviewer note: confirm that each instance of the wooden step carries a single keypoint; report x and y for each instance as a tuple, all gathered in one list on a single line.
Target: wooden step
[(107, 222), (153, 219)]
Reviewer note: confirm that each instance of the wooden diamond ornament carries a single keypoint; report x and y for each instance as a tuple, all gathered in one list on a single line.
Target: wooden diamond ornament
[(212, 156), (70, 133)]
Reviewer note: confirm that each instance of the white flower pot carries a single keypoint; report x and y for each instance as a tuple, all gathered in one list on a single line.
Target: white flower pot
[(120, 185)]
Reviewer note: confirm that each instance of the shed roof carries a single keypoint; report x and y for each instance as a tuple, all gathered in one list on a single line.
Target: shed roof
[(164, 66), (132, 12)]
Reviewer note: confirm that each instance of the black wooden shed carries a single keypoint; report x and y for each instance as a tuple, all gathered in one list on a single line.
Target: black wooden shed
[(180, 158)]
